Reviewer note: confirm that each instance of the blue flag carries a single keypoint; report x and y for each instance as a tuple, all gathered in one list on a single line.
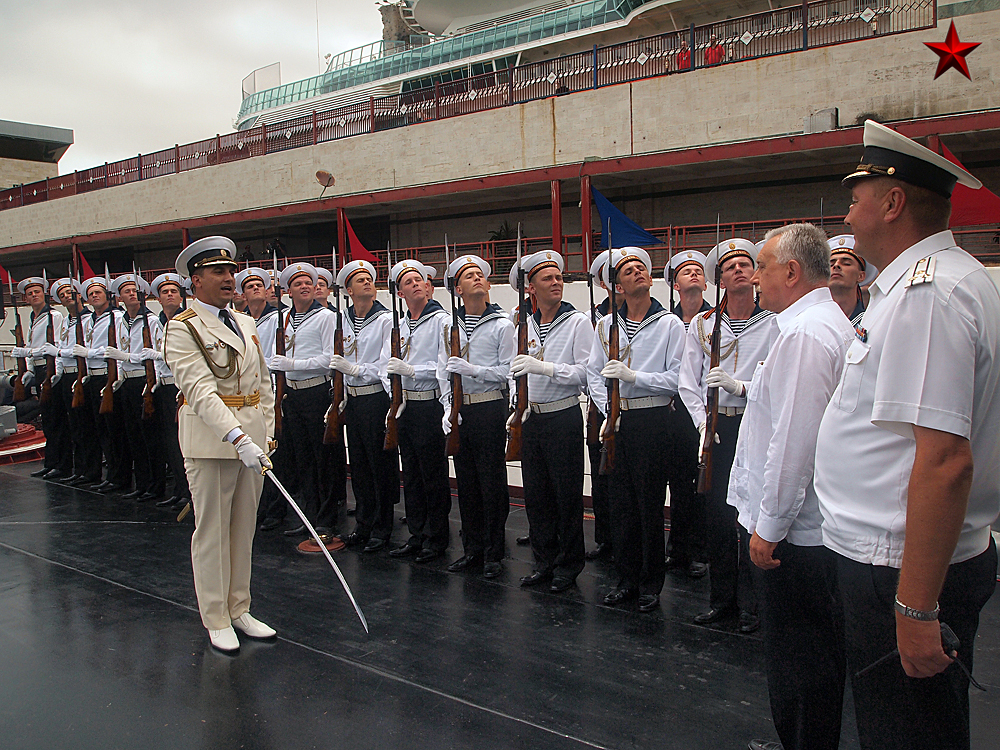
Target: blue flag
[(624, 231)]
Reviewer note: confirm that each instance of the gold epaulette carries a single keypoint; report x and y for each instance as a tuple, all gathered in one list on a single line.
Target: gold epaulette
[(185, 314), (922, 272)]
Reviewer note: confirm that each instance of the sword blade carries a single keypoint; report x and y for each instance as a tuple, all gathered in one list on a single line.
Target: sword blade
[(322, 547)]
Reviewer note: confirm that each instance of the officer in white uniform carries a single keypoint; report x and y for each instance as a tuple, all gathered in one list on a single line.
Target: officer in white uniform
[(426, 494), (746, 334), (225, 426), (651, 341), (559, 340), (367, 325), (917, 407), (848, 272), (487, 342)]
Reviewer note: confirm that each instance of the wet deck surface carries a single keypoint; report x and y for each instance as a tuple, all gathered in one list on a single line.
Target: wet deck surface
[(101, 647)]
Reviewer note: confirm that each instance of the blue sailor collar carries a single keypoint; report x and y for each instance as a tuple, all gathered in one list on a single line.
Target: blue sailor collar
[(565, 310), (377, 309), (430, 308), (679, 312), (492, 311), (268, 309), (43, 311)]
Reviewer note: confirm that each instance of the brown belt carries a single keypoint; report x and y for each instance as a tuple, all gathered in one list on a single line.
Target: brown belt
[(235, 402)]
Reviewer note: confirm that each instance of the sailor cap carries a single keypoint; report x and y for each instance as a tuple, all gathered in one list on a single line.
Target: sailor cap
[(726, 250), (683, 258), (165, 278), (250, 273), (325, 274), (598, 265), (294, 270), (23, 285), (619, 256), (352, 269), (404, 267), (843, 244), (98, 280), (464, 262), (129, 278), (538, 261), (64, 282)]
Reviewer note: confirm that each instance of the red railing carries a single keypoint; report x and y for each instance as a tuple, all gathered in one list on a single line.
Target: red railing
[(774, 32)]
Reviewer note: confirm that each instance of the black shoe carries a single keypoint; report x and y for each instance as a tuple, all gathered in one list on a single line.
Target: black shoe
[(464, 562), (145, 497), (133, 495), (80, 480), (55, 476), (426, 555), (676, 562), (697, 570), (375, 544), (269, 524), (354, 539), (523, 541), (536, 578), (714, 615), (619, 595), (405, 550), (749, 623), (102, 486), (492, 569), (40, 472), (351, 511), (172, 500), (599, 551), (299, 530), (561, 583), (71, 478), (649, 602), (764, 745)]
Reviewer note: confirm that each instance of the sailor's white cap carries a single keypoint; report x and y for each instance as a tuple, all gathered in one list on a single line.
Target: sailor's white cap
[(843, 244), (537, 261), (410, 266), (352, 269), (129, 278), (208, 251), (64, 282), (326, 274), (463, 262), (252, 273), (683, 258), (292, 270), (165, 278), (98, 280), (620, 256), (23, 284), (598, 264), (727, 249)]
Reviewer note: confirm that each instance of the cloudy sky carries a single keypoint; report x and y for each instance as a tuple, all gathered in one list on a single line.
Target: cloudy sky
[(134, 77)]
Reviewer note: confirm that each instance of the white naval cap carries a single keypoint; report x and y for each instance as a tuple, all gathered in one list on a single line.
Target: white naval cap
[(352, 269), (538, 261), (23, 285), (186, 283), (891, 154), (512, 276), (325, 274), (165, 278), (294, 270), (92, 281), (843, 244), (683, 258), (250, 273), (727, 249), (65, 281), (410, 266), (208, 251), (619, 256), (464, 262), (129, 278), (598, 265), (431, 272)]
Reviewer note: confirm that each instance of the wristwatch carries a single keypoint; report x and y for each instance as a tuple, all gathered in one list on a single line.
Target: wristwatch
[(918, 614)]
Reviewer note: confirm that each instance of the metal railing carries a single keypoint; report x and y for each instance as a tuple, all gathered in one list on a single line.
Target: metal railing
[(760, 35)]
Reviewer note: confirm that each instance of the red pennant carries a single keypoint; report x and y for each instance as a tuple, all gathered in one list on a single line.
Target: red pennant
[(4, 276), (358, 251), (84, 265)]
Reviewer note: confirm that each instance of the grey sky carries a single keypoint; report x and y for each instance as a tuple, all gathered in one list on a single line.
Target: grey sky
[(131, 77)]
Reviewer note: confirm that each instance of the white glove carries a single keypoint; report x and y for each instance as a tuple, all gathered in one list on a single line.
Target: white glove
[(147, 354), (135, 358), (702, 429), (397, 366), (251, 454), (282, 363), (20, 352), (118, 383), (114, 353), (446, 423), (79, 350), (28, 378), (56, 378), (459, 366), (67, 352), (342, 364), (524, 364), (618, 370), (47, 350), (719, 378)]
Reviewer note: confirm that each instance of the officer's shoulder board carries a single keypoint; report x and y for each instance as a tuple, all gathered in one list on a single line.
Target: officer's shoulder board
[(921, 272), (185, 315)]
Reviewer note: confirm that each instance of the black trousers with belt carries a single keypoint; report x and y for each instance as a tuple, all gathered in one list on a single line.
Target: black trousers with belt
[(303, 425), (120, 466), (82, 432), (148, 463), (374, 471), (55, 426), (687, 511), (731, 581), (165, 398), (426, 491), (638, 489), (802, 621), (92, 392), (893, 710), (481, 474), (552, 470), (599, 502)]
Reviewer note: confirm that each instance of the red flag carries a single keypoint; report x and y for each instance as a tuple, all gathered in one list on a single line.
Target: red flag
[(970, 208), (84, 265), (358, 251), (4, 276)]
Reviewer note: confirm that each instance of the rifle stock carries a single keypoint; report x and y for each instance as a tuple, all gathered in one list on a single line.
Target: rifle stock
[(108, 392), (279, 375), (456, 393), (50, 364), (614, 394), (22, 362), (81, 362), (712, 400), (148, 407), (514, 433), (332, 433), (396, 386)]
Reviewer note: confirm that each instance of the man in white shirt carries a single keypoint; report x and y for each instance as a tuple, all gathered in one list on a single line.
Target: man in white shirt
[(918, 405), (771, 487)]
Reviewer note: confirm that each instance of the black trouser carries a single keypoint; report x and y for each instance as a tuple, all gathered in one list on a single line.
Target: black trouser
[(686, 542), (802, 622), (303, 425), (552, 470), (599, 497), (426, 493), (144, 439), (55, 425), (335, 468), (374, 472), (481, 473), (165, 398), (637, 488), (82, 432), (731, 581), (120, 462), (893, 710), (92, 393)]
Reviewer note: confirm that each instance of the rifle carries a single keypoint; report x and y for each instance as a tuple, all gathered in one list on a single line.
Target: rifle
[(712, 399), (81, 362), (670, 270), (456, 351), (332, 433), (50, 362), (279, 350), (108, 392), (521, 392), (593, 413), (395, 381), (148, 408), (614, 397), (22, 363)]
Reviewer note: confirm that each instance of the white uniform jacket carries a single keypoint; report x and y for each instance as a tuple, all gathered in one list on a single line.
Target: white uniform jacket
[(567, 347), (654, 353), (310, 344), (364, 343), (97, 337), (490, 349), (201, 350), (130, 338), (38, 327), (267, 326), (67, 339), (421, 348)]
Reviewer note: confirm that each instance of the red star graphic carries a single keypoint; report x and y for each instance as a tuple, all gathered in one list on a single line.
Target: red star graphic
[(952, 53)]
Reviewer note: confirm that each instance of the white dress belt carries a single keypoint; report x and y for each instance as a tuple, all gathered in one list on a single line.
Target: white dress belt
[(731, 411), (132, 373), (551, 406), (423, 395), (481, 398), (364, 390), (644, 402), (300, 385)]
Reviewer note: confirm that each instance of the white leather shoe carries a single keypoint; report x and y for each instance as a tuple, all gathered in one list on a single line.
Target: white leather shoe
[(253, 628), (225, 640)]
